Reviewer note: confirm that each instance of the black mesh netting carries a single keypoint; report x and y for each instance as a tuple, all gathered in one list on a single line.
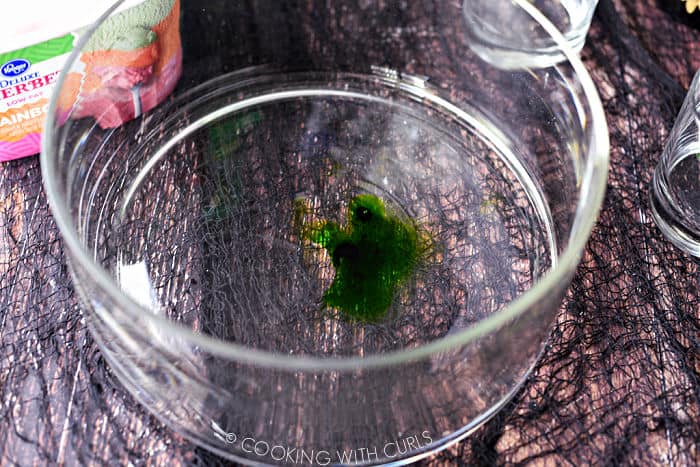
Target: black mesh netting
[(618, 383)]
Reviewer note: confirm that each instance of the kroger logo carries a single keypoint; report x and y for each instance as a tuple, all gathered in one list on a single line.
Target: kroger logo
[(15, 67)]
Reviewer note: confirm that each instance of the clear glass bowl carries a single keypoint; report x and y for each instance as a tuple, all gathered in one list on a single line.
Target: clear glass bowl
[(674, 192), (343, 239), (505, 35)]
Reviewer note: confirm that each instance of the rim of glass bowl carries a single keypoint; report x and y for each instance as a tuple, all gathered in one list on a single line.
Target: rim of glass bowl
[(592, 191)]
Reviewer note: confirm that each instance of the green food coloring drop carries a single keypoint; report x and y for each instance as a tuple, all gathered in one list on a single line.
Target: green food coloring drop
[(373, 255)]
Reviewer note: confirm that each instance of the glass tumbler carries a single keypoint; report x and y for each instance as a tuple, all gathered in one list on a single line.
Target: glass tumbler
[(505, 35), (675, 187), (341, 239)]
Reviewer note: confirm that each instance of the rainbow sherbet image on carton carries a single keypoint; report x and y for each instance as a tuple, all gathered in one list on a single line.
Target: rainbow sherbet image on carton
[(126, 68)]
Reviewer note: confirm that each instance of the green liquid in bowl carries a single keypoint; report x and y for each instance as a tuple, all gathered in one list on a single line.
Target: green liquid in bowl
[(373, 255)]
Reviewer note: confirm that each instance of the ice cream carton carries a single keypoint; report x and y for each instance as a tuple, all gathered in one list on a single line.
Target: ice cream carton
[(130, 64)]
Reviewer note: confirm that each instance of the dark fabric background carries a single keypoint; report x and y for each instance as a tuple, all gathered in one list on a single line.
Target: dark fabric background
[(618, 384)]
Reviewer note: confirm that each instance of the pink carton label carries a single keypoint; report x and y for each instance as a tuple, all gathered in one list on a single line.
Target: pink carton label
[(128, 67)]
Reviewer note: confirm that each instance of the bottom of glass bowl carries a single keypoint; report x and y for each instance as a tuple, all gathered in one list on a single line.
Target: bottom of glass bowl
[(217, 220)]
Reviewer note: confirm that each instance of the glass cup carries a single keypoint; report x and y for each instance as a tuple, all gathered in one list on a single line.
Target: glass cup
[(675, 187), (505, 35), (342, 239)]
